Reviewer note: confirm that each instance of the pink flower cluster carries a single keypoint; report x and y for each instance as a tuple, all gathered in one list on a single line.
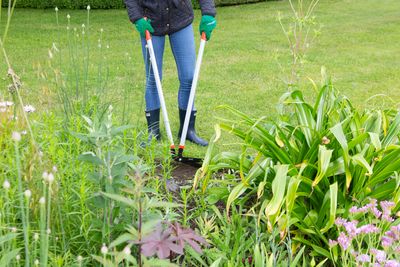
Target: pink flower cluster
[(372, 207), (389, 241)]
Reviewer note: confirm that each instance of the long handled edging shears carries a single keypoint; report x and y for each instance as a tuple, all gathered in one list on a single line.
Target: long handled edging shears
[(196, 162)]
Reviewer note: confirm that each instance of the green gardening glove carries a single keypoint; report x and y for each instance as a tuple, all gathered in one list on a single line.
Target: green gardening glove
[(142, 25), (207, 25)]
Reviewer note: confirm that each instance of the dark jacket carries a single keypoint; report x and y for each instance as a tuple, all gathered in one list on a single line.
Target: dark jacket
[(167, 16)]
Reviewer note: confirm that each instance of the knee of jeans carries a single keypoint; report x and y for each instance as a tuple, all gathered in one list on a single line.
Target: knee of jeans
[(186, 83)]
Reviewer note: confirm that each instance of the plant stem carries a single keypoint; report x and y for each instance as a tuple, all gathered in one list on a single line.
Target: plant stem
[(21, 202)]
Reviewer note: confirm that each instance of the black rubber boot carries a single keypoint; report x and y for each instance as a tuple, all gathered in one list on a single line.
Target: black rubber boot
[(153, 124), (191, 133)]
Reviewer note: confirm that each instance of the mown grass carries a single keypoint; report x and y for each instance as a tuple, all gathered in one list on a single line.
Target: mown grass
[(358, 46)]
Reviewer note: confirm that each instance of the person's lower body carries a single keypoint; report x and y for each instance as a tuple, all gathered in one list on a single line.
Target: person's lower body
[(184, 51)]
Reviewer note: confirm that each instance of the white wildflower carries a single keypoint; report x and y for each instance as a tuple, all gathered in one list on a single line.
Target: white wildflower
[(45, 175), (42, 200), (83, 25), (30, 108), (48, 231), (18, 257), (104, 249), (55, 169), (88, 7), (24, 132), (6, 184), (16, 136), (127, 251), (28, 194), (36, 262), (14, 229), (56, 9), (79, 258), (50, 178)]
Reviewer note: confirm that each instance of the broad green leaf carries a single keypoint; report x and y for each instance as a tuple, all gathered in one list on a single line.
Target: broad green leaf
[(8, 257), (337, 131), (258, 258), (278, 191), (216, 262), (324, 158), (393, 131), (124, 238), (236, 192), (7, 237), (260, 190), (122, 199), (292, 193), (375, 141), (360, 160), (91, 158), (333, 192)]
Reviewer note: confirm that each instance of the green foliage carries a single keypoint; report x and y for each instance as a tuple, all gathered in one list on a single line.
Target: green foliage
[(315, 160)]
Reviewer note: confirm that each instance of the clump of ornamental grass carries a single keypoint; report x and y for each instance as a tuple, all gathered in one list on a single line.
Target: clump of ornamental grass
[(369, 237)]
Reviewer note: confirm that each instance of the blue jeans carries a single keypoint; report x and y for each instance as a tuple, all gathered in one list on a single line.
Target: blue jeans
[(183, 49)]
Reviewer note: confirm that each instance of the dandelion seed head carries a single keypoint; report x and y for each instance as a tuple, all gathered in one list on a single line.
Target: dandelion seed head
[(68, 16), (36, 262), (42, 200), (48, 231), (79, 258), (88, 7), (6, 184), (16, 136), (56, 9), (45, 175), (83, 26), (55, 169), (28, 194), (18, 257), (101, 30)]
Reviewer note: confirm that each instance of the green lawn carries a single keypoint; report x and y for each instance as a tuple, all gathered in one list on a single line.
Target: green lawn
[(358, 46)]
